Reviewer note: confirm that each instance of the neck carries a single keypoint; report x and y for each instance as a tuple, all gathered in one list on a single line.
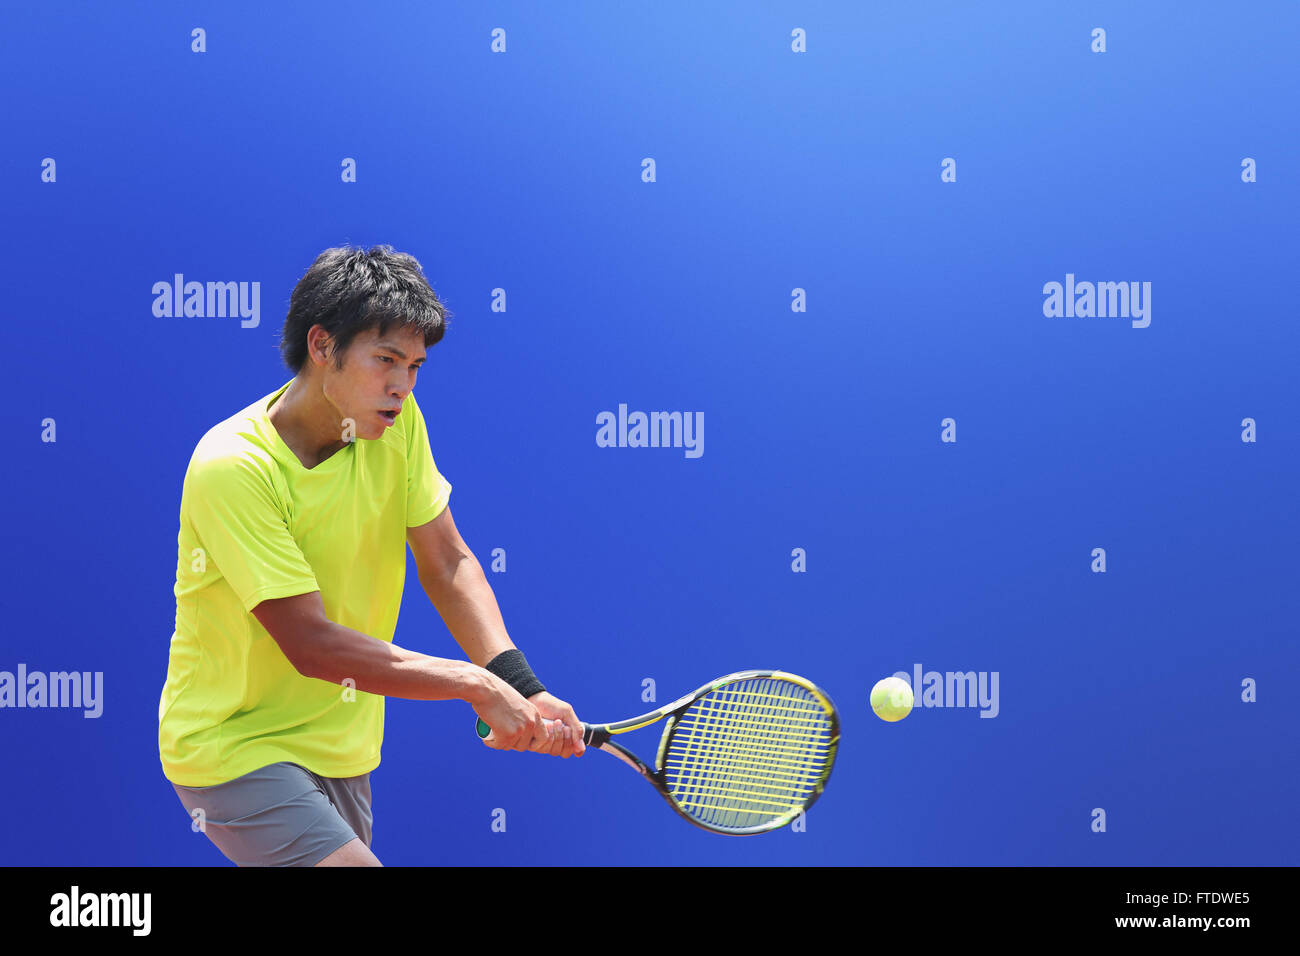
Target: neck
[(307, 422)]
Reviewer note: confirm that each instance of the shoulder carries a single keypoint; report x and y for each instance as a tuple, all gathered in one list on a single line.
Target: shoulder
[(233, 452)]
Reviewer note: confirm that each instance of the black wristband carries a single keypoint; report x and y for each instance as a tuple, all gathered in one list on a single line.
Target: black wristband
[(511, 667)]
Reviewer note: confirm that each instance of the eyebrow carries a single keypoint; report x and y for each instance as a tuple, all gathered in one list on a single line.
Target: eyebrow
[(398, 352)]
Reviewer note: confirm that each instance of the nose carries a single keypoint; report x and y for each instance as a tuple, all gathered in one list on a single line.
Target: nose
[(399, 389)]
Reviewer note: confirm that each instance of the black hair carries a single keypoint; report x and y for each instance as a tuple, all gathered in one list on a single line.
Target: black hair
[(349, 290)]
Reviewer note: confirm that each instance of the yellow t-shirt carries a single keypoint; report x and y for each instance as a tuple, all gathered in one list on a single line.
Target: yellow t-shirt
[(255, 524)]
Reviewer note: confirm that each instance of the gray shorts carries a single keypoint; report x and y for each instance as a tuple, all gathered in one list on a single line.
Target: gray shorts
[(282, 815)]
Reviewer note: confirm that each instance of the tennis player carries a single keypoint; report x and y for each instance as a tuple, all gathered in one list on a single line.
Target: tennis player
[(294, 521)]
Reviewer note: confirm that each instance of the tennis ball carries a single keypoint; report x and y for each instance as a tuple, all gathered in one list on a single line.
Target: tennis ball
[(891, 699)]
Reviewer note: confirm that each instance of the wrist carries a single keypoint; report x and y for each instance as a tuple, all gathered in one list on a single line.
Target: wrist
[(511, 666), (478, 686)]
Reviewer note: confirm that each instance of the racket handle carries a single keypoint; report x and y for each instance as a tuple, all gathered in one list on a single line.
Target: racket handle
[(484, 731)]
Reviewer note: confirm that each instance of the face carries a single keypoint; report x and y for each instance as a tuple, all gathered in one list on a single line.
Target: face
[(377, 376)]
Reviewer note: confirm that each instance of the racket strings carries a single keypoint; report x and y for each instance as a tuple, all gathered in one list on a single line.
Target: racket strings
[(716, 737), (749, 753), (728, 772)]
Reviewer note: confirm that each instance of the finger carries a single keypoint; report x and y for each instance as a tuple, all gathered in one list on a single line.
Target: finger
[(553, 745), (542, 734), (558, 731), (574, 727), (566, 748), (563, 744), (547, 743), (522, 739), (578, 746)]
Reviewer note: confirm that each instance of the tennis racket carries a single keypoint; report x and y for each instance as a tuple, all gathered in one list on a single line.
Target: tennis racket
[(746, 753)]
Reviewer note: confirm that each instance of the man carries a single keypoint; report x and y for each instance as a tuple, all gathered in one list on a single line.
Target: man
[(289, 577)]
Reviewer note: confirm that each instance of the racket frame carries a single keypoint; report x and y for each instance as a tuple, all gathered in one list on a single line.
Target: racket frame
[(599, 736)]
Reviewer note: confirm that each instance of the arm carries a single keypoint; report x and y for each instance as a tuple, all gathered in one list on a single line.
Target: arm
[(230, 502), (454, 581), (319, 648)]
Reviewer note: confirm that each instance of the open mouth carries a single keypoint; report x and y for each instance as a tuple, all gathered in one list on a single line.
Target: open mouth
[(391, 416)]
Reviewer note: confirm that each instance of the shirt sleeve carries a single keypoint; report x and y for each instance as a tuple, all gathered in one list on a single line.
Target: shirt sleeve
[(427, 492), (235, 515)]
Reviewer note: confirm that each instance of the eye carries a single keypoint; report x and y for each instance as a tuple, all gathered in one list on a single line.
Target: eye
[(384, 358)]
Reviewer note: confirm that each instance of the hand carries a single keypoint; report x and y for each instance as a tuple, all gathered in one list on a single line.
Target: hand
[(516, 723), (566, 743)]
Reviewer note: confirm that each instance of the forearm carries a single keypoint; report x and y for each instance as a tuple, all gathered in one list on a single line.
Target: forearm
[(468, 607), (339, 653)]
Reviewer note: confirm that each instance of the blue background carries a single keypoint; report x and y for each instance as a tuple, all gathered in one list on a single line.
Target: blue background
[(775, 171)]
